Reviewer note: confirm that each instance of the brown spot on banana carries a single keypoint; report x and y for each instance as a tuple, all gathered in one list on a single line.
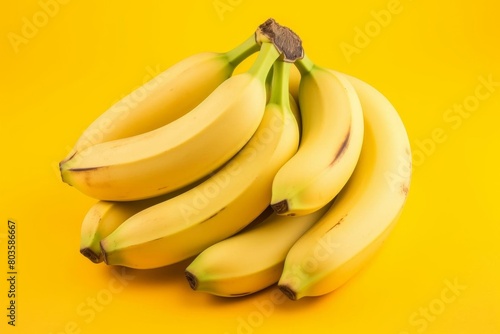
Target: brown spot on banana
[(342, 148), (337, 224), (83, 169), (405, 188), (212, 216), (280, 207)]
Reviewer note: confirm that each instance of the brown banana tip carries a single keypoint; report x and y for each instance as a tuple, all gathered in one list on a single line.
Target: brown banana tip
[(192, 280), (91, 255), (280, 207), (288, 291)]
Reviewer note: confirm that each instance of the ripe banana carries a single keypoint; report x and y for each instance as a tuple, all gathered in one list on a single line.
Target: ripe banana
[(331, 140), (187, 224), (181, 152), (104, 217), (166, 97), (364, 212), (249, 261)]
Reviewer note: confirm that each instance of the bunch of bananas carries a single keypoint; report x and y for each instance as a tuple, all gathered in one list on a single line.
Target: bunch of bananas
[(255, 184)]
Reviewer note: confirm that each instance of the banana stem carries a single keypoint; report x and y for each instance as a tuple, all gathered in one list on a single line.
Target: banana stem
[(242, 51), (304, 65), (267, 56), (280, 84)]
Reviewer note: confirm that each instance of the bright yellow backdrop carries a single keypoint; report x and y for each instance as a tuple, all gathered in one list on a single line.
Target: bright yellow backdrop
[(64, 62)]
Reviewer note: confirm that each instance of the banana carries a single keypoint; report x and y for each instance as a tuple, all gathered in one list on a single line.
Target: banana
[(331, 140), (181, 152), (101, 219), (187, 224), (249, 261), (364, 212), (104, 217), (166, 97)]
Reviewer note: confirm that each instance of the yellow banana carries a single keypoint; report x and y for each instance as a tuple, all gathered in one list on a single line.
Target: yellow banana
[(228, 201), (364, 212), (332, 136), (104, 217), (181, 152), (249, 261), (166, 97)]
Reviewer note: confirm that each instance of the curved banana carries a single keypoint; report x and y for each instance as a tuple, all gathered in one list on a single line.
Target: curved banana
[(364, 212), (249, 261), (332, 136), (181, 152), (166, 97), (187, 224), (104, 217)]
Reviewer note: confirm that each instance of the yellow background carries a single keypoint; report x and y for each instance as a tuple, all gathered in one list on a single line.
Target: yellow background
[(427, 57)]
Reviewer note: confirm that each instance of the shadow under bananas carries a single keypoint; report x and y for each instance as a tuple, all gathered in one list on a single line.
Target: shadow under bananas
[(172, 275), (271, 295), (172, 278)]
